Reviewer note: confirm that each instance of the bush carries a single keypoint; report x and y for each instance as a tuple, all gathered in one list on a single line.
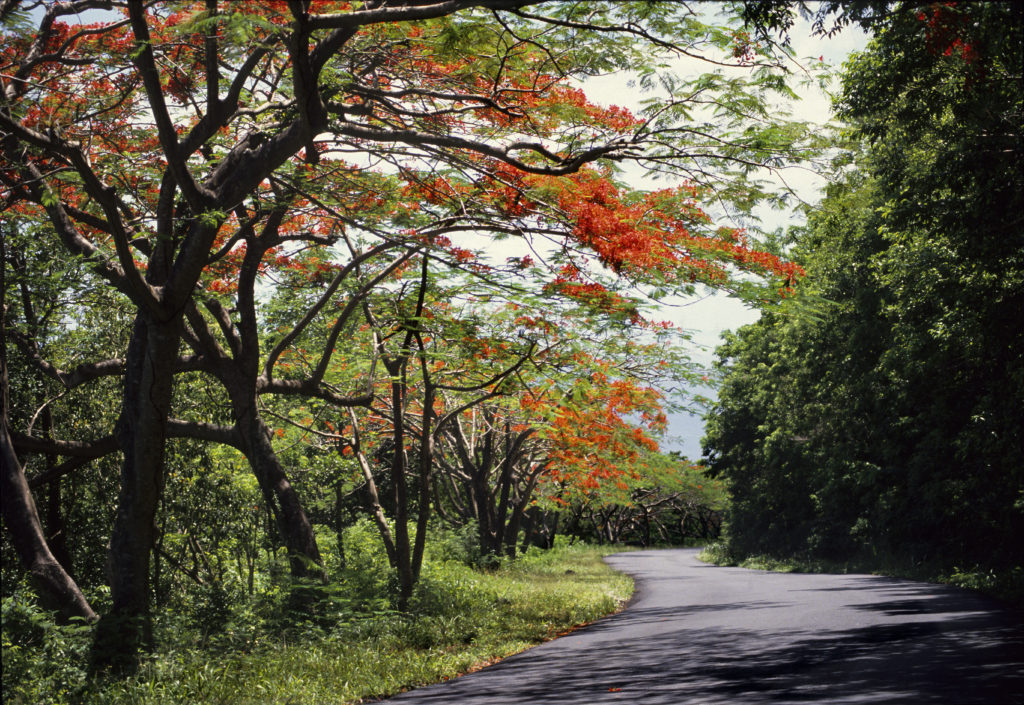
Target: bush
[(1006, 585), (718, 553), (461, 544), (448, 588), (367, 577), (43, 661)]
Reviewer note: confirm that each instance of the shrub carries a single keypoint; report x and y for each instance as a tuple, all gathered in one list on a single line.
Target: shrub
[(43, 661)]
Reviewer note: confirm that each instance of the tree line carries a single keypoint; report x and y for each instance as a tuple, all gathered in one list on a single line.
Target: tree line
[(878, 416)]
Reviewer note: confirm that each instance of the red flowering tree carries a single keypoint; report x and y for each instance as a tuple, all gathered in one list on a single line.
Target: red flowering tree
[(538, 426), (188, 151)]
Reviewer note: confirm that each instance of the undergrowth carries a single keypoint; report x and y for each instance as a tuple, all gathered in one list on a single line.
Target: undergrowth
[(352, 647)]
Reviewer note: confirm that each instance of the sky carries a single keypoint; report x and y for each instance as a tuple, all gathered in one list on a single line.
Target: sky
[(708, 316)]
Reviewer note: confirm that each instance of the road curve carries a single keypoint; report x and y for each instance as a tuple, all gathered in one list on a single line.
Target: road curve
[(695, 633)]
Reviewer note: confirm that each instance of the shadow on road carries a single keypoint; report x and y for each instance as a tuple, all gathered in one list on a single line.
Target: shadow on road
[(912, 663), (921, 644)]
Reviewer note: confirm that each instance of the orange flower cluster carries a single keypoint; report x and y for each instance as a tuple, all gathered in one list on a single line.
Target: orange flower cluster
[(655, 233), (595, 438)]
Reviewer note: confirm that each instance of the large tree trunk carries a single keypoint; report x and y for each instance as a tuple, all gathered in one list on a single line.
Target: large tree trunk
[(142, 434)]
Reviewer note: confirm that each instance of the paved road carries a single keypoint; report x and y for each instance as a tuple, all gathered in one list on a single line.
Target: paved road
[(700, 634)]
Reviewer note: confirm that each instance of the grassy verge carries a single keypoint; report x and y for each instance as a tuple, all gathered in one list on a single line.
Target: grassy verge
[(461, 619), (1006, 586)]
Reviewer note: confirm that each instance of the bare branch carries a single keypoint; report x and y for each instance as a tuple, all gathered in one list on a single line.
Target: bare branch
[(225, 435), (75, 449), (308, 388), (407, 13), (560, 165)]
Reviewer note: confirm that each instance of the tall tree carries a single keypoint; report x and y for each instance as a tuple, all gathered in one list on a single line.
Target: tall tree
[(158, 142), (884, 424)]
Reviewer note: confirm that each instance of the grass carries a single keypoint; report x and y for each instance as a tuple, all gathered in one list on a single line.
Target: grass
[(461, 619), (1006, 586)]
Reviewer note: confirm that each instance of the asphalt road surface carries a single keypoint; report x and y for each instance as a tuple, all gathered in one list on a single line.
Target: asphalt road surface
[(695, 633)]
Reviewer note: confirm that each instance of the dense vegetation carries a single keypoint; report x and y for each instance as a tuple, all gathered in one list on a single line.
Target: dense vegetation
[(877, 419), (283, 276), (269, 393), (220, 646)]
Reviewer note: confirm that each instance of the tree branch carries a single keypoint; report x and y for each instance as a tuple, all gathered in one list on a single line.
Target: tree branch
[(199, 198), (74, 449), (309, 388), (408, 13), (215, 433)]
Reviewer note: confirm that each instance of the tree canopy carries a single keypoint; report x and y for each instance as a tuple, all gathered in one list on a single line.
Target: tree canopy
[(248, 234), (886, 425)]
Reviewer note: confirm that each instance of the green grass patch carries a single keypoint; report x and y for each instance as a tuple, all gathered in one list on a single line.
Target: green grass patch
[(460, 618)]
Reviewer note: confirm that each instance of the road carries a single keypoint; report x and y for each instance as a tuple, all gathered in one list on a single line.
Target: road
[(695, 633)]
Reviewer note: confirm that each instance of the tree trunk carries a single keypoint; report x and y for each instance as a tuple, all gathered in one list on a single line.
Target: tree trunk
[(485, 510), (512, 531), (295, 526), (505, 482), (425, 465), (646, 539), (56, 587), (19, 509), (518, 513), (403, 552), (148, 383)]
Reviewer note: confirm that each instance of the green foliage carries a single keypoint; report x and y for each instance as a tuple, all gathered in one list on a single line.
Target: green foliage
[(885, 428), (460, 544), (43, 661), (718, 553), (458, 618), (366, 572), (1007, 585)]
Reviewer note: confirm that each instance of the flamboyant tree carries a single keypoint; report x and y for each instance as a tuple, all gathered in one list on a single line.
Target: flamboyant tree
[(186, 150), (544, 434)]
